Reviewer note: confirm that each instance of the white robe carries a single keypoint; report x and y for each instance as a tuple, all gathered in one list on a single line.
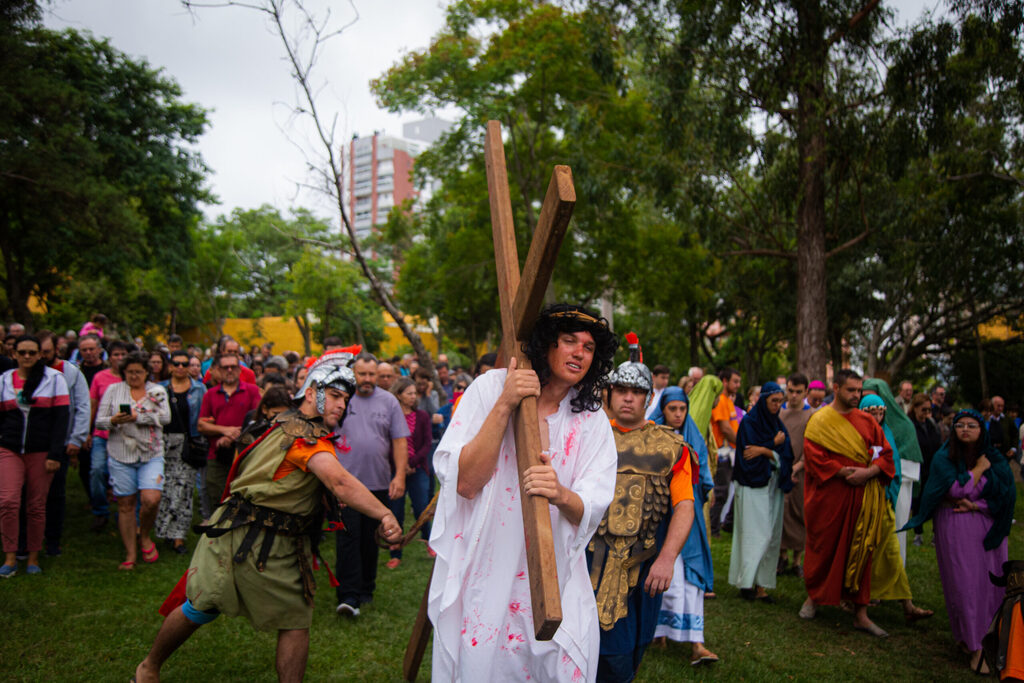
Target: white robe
[(479, 599)]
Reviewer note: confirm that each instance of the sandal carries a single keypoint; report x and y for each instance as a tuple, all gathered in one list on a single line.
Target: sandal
[(709, 658), (917, 614), (874, 630), (150, 556), (126, 566)]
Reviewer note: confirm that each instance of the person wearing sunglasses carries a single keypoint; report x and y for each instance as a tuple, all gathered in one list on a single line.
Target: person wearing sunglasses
[(34, 416), (186, 398)]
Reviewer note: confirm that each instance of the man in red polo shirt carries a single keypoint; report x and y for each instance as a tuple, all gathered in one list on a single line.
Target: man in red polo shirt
[(220, 420)]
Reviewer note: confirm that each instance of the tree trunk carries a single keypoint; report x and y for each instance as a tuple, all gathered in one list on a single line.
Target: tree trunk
[(981, 365), (303, 325), (811, 313), (360, 336), (835, 349), (694, 330), (17, 296), (325, 322), (874, 346)]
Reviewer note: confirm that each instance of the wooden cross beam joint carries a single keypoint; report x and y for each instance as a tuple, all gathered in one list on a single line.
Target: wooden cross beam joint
[(521, 298)]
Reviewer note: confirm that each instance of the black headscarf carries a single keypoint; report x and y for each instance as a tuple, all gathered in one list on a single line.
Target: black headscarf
[(758, 428)]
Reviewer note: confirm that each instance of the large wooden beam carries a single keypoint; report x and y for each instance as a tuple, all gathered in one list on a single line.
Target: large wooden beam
[(419, 638), (506, 254), (540, 549), (547, 239)]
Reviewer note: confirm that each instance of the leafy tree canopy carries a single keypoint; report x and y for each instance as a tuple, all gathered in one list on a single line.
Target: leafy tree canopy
[(97, 175)]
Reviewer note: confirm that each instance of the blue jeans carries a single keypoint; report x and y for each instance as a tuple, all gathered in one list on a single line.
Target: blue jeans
[(98, 477), (419, 486)]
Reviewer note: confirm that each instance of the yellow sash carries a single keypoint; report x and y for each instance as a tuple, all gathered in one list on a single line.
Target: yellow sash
[(835, 433)]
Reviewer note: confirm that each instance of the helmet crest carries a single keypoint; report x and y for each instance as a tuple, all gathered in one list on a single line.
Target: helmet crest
[(633, 373)]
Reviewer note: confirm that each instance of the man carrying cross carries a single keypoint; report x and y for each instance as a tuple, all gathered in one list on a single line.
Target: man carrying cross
[(479, 598)]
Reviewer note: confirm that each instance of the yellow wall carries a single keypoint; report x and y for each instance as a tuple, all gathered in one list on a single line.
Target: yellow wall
[(997, 330), (283, 332)]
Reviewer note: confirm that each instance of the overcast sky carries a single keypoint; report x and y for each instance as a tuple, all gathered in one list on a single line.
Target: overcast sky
[(227, 60)]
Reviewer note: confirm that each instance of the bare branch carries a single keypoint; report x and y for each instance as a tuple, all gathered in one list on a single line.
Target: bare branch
[(753, 206), (848, 243), (791, 255), (333, 176), (839, 34), (981, 174)]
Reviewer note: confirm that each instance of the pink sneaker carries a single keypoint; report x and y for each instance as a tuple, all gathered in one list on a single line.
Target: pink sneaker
[(393, 563)]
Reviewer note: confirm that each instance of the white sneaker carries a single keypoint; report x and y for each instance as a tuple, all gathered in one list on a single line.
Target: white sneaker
[(347, 609)]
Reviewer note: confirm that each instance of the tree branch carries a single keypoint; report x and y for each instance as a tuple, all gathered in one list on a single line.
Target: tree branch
[(848, 243), (762, 252), (980, 174), (839, 34)]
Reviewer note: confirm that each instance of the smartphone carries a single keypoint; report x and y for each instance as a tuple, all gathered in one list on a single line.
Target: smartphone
[(126, 409)]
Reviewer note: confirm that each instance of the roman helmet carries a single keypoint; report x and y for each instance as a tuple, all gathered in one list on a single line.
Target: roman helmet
[(330, 370), (633, 373)]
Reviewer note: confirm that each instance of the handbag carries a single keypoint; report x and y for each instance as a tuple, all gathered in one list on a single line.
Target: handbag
[(195, 451)]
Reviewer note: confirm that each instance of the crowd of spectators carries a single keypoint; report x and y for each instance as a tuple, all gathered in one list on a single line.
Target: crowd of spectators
[(152, 428)]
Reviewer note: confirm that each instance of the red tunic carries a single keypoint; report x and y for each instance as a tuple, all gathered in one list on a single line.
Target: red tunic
[(831, 507)]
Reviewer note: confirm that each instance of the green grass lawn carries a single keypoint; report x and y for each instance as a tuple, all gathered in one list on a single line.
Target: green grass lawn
[(85, 621)]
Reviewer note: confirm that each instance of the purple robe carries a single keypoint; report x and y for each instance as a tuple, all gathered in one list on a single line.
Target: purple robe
[(964, 565)]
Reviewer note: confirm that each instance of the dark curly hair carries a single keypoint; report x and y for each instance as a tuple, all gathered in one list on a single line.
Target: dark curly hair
[(558, 319)]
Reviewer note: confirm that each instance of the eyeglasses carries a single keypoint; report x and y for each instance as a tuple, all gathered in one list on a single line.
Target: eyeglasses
[(229, 367), (460, 387), (967, 425), (179, 363), (27, 353)]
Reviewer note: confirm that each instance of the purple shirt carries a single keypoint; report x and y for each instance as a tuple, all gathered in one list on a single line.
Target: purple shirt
[(365, 447)]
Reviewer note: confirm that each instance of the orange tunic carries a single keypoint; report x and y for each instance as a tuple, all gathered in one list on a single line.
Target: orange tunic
[(725, 410), (1014, 669), (297, 457)]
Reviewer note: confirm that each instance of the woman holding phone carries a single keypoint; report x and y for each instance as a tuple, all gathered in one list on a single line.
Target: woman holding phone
[(135, 411)]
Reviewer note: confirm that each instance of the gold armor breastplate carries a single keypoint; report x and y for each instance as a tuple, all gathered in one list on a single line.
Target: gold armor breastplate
[(626, 537)]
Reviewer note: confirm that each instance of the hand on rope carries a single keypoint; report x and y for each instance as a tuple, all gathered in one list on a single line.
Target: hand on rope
[(406, 539)]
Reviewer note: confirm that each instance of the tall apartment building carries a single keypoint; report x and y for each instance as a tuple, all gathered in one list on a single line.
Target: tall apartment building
[(380, 171)]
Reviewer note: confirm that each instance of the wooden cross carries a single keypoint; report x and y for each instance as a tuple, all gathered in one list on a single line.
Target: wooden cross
[(521, 297)]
